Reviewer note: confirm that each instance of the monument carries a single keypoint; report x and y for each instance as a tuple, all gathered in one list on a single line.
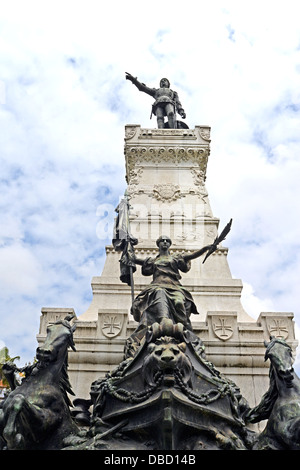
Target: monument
[(165, 170), (175, 362)]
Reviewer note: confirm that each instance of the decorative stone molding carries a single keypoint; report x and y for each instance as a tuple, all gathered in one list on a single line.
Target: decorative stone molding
[(204, 132), (176, 155), (169, 192), (111, 324), (278, 324), (223, 325), (181, 133), (135, 176), (134, 190), (51, 315), (130, 132), (201, 192), (144, 251), (166, 192), (200, 133), (199, 177)]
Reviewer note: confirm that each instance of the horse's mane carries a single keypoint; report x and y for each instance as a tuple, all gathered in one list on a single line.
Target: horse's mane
[(263, 410), (64, 383)]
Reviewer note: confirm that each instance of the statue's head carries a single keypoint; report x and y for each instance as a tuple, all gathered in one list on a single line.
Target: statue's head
[(164, 238), (164, 83)]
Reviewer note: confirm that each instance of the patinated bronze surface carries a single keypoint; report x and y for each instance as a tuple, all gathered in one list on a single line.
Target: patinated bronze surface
[(280, 405), (170, 397), (36, 414), (166, 101), (164, 395), (165, 297)]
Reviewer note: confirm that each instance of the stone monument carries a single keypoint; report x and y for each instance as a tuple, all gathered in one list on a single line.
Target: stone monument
[(171, 364), (165, 170)]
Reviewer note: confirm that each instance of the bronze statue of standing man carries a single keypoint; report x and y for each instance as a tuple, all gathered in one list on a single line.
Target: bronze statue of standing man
[(166, 102)]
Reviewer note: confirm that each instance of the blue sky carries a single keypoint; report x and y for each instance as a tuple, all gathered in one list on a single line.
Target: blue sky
[(64, 102)]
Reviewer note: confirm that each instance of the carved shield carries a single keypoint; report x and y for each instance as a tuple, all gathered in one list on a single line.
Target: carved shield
[(112, 324), (223, 327), (278, 327), (166, 192)]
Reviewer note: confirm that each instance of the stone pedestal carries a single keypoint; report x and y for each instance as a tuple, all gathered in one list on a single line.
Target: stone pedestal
[(166, 173)]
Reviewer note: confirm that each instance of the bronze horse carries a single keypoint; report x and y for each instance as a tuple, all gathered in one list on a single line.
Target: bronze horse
[(36, 414), (280, 405)]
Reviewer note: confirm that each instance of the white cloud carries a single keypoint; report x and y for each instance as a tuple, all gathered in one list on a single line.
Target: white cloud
[(20, 270), (254, 305)]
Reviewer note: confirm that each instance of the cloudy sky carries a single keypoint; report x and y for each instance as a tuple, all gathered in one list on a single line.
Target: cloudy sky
[(64, 102)]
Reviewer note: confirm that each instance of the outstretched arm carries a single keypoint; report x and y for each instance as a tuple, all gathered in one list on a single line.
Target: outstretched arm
[(197, 253), (140, 86), (136, 260), (210, 248)]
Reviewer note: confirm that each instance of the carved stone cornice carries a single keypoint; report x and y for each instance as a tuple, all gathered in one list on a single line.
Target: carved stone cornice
[(155, 155), (139, 250), (170, 133), (134, 132), (174, 154)]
